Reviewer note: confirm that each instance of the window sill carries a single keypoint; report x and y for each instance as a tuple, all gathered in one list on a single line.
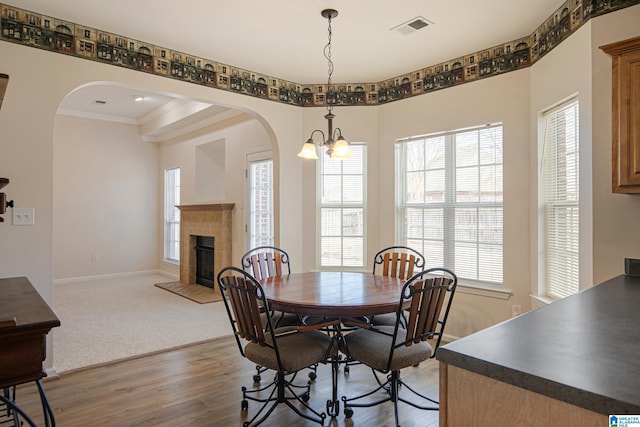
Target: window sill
[(489, 291), (171, 262), (538, 301)]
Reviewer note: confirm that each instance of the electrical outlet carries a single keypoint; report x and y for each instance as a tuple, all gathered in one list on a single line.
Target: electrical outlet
[(94, 258), (516, 310), (24, 216)]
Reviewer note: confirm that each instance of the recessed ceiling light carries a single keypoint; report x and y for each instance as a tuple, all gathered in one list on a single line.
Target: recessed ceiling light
[(138, 98)]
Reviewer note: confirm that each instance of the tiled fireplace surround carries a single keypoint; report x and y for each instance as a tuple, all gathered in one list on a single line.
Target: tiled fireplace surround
[(210, 220)]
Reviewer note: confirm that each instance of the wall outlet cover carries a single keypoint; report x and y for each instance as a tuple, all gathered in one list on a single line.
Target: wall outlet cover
[(24, 216)]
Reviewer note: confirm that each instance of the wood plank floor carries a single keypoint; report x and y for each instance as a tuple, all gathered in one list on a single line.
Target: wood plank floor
[(200, 386)]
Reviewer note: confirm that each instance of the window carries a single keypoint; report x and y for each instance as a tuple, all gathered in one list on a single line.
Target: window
[(342, 209), (449, 200), (260, 191), (172, 215), (560, 199)]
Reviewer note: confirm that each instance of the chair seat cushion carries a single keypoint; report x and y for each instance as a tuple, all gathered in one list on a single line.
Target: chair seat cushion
[(372, 349), (297, 350), (387, 319)]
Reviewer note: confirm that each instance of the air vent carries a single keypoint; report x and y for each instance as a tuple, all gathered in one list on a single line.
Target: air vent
[(99, 102), (412, 25)]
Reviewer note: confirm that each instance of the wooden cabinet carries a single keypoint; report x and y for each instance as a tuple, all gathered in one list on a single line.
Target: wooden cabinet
[(625, 114), (25, 320)]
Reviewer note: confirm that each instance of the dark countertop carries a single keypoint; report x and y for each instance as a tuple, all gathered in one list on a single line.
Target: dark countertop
[(583, 350)]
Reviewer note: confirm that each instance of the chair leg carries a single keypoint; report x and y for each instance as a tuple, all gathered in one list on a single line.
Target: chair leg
[(391, 388), (282, 391)]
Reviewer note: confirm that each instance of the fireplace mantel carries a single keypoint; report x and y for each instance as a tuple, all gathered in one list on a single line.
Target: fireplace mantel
[(207, 206), (205, 219)]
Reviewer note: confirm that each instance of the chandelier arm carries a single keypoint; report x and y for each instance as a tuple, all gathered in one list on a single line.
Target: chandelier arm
[(322, 133)]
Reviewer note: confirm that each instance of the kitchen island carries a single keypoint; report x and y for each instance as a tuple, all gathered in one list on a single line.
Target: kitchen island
[(573, 362)]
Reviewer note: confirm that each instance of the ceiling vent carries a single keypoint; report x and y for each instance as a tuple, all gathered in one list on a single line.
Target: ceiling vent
[(412, 25), (99, 102)]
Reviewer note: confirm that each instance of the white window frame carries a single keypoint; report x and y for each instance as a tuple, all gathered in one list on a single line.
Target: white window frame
[(252, 158), (172, 215), (559, 241), (441, 246), (342, 205)]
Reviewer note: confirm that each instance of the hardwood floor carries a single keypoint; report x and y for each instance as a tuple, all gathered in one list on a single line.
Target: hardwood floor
[(200, 386)]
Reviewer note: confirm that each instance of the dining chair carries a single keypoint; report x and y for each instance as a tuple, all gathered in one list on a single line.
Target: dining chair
[(284, 350), (389, 349), (269, 261), (395, 261)]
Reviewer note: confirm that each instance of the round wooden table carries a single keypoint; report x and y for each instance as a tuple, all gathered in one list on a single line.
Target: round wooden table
[(333, 293)]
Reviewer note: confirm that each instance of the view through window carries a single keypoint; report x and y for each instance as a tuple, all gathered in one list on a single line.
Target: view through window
[(342, 209), (560, 199), (260, 222), (172, 215), (449, 200)]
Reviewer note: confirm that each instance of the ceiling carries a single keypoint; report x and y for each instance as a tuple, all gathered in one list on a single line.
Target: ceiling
[(285, 38)]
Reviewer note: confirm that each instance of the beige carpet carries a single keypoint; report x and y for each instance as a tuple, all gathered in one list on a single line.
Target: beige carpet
[(198, 293), (113, 319)]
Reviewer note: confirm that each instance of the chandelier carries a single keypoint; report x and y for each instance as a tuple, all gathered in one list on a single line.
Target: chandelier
[(336, 146)]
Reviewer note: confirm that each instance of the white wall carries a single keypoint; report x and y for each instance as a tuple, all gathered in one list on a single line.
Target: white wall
[(39, 80), (105, 199), (238, 140), (561, 74), (616, 217), (500, 99), (210, 170)]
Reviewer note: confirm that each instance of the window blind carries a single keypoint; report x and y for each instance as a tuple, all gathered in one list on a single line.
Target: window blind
[(561, 166), (342, 209), (261, 202), (172, 214), (449, 200)]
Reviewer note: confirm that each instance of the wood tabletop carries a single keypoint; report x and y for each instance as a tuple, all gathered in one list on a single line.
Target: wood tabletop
[(333, 294), (20, 302)]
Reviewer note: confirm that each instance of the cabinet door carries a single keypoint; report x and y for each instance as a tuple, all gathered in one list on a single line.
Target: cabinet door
[(625, 56)]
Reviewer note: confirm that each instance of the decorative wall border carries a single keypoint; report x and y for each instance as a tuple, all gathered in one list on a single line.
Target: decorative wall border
[(53, 34)]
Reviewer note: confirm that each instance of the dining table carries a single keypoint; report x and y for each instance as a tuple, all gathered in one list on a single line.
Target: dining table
[(333, 294)]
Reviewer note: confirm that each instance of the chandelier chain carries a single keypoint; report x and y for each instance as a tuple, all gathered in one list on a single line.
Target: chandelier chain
[(327, 55)]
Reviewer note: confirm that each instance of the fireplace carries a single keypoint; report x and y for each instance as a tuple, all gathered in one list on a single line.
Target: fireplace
[(213, 222), (205, 261)]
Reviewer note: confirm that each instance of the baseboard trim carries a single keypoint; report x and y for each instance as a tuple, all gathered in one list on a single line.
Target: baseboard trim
[(114, 276)]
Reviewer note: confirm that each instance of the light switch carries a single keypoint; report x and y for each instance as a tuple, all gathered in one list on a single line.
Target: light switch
[(24, 216)]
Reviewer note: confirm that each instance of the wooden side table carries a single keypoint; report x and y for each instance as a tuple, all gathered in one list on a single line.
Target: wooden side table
[(25, 321)]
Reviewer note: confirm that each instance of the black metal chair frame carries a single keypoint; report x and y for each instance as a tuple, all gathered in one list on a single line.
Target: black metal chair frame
[(402, 266), (264, 266), (7, 399), (425, 294), (400, 262), (396, 261), (238, 285), (263, 262)]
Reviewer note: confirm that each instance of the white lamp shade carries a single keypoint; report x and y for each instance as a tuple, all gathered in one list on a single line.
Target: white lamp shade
[(341, 150), (308, 151)]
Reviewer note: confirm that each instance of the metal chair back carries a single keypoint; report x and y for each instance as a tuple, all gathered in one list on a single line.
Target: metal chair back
[(243, 296), (398, 261), (266, 261), (426, 301)]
